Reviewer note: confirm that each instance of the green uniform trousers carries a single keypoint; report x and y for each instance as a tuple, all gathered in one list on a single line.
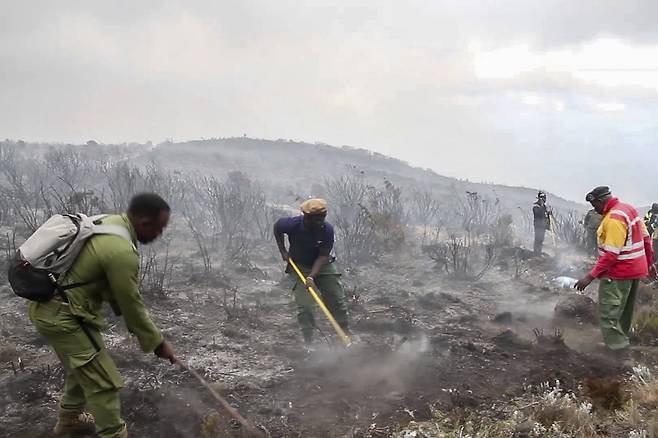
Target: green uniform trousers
[(616, 305), (591, 242), (92, 378), (332, 294)]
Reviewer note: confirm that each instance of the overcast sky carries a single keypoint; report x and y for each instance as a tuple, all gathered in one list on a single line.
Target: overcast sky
[(555, 94)]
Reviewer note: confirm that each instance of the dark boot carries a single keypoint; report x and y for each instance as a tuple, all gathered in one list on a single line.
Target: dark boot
[(69, 423)]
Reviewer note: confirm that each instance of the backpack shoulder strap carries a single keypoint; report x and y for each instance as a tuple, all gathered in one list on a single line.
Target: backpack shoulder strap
[(115, 230)]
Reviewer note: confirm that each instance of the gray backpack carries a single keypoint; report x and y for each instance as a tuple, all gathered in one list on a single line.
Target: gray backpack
[(50, 252)]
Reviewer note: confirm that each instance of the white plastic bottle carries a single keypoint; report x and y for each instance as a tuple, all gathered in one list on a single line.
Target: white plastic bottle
[(565, 282)]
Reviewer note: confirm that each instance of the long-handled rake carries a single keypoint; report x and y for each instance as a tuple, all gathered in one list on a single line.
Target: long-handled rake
[(252, 430)]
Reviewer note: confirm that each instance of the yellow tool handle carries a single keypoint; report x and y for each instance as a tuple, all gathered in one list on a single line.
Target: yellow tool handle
[(346, 339)]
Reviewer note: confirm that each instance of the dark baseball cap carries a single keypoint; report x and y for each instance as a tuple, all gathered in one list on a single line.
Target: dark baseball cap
[(598, 193)]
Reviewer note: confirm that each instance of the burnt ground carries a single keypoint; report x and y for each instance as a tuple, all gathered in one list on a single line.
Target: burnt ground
[(425, 342)]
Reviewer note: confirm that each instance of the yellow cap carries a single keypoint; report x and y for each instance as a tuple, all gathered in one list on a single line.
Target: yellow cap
[(314, 206)]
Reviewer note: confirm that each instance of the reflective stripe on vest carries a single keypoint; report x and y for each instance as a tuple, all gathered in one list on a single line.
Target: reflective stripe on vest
[(634, 247)]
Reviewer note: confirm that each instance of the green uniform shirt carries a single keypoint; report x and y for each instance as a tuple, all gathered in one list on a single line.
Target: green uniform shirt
[(112, 264), (592, 220)]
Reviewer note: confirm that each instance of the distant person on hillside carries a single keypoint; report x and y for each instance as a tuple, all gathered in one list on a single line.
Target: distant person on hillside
[(651, 222), (542, 221), (626, 257), (591, 224), (311, 240)]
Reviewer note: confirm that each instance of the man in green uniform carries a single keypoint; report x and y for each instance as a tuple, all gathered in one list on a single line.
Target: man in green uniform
[(591, 223), (311, 240), (108, 265), (651, 222)]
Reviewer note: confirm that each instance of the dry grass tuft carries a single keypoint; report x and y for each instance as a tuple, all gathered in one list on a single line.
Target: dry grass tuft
[(560, 412), (211, 426), (645, 327), (605, 393)]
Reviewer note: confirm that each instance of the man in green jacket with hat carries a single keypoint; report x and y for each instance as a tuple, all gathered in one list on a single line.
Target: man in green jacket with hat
[(108, 265)]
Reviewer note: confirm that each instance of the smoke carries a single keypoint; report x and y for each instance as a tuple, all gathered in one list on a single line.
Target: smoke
[(363, 367)]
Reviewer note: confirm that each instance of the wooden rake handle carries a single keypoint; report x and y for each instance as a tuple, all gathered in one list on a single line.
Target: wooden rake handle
[(248, 425)]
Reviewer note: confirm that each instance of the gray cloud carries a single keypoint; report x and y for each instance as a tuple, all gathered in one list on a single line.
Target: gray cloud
[(395, 77)]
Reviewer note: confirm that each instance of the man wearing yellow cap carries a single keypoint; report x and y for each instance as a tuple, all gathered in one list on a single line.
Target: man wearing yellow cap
[(311, 239)]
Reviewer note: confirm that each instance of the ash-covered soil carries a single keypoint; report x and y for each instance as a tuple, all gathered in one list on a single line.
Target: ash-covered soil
[(423, 341)]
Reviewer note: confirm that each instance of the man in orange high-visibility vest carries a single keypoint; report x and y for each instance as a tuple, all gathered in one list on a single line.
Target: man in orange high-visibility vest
[(626, 256)]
